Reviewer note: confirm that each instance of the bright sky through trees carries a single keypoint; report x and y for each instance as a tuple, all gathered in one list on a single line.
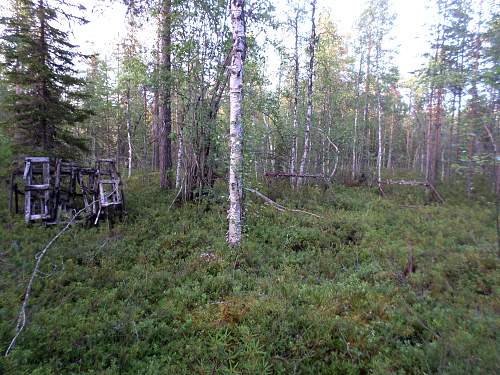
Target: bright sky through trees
[(410, 33)]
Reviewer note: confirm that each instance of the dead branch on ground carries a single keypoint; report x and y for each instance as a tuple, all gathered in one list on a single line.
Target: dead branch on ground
[(278, 206), (21, 318)]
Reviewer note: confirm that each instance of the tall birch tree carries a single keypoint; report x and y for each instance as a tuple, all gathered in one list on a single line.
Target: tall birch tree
[(310, 80), (293, 156), (235, 122)]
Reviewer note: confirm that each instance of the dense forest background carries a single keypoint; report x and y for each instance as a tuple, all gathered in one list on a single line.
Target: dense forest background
[(166, 108)]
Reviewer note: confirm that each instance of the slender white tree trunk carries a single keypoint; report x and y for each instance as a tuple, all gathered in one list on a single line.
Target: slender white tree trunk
[(309, 113), (293, 157), (391, 134), (180, 148), (129, 136), (356, 115), (379, 137), (235, 211), (180, 159), (270, 144), (379, 118)]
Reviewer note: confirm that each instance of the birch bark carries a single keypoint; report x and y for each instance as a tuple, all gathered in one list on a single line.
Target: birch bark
[(293, 157), (234, 213), (356, 114), (307, 131), (379, 116), (379, 138), (129, 135), (180, 147)]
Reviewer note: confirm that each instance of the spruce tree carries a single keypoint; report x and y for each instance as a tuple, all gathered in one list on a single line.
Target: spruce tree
[(44, 92)]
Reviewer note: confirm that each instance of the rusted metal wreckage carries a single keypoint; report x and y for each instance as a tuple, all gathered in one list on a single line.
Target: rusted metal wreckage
[(54, 192)]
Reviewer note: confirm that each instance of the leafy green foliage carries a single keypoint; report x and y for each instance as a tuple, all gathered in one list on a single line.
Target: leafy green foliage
[(162, 293)]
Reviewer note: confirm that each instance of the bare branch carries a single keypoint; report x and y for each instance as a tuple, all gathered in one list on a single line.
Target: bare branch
[(278, 206)]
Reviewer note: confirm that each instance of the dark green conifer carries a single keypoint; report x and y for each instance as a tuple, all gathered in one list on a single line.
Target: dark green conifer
[(44, 93)]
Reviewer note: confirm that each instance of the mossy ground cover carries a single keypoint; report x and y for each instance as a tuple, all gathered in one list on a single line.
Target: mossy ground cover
[(161, 293)]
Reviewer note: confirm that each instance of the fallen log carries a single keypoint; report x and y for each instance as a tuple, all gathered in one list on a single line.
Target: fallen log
[(284, 174), (436, 194), (405, 182), (426, 184)]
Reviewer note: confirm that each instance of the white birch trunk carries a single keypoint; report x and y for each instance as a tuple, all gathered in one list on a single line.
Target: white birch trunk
[(129, 136), (354, 145), (391, 134), (379, 138), (293, 156), (270, 144), (235, 211), (180, 159), (309, 113), (180, 148), (380, 147), (356, 115)]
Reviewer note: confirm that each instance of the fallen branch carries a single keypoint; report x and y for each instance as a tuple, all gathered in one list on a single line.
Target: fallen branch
[(278, 206), (405, 182), (279, 174), (178, 193), (435, 193), (21, 318), (426, 184), (337, 151)]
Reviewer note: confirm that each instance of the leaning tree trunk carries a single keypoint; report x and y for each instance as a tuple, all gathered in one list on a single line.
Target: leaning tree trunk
[(307, 131), (235, 211), (164, 105)]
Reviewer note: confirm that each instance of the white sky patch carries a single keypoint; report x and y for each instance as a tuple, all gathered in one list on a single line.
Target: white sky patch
[(107, 26), (410, 34)]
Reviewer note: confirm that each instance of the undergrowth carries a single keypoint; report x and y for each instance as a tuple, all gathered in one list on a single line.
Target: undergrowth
[(161, 293)]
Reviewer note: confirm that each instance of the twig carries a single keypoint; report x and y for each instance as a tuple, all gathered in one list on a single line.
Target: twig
[(278, 206), (436, 194), (337, 151), (178, 193), (21, 319)]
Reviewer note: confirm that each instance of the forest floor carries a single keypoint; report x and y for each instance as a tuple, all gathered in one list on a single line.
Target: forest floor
[(161, 293)]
